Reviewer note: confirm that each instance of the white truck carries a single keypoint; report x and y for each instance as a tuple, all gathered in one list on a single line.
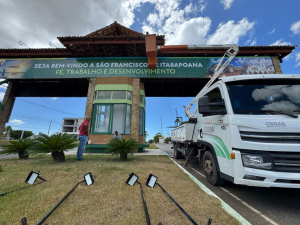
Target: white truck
[(245, 129)]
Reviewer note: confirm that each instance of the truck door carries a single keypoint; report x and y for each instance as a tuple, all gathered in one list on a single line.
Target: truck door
[(214, 130)]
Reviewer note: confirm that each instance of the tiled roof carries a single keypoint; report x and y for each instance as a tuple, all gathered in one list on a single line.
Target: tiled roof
[(116, 40)]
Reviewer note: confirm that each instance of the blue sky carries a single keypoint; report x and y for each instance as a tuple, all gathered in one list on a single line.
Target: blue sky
[(243, 22)]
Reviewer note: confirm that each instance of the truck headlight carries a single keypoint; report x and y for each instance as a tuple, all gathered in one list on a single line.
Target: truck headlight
[(257, 161)]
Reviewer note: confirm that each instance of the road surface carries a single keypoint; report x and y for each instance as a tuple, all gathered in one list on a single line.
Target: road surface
[(280, 205)]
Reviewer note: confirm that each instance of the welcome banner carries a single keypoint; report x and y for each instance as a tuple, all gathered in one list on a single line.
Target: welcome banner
[(177, 67)]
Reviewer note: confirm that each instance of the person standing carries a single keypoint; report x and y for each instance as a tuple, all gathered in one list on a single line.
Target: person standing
[(117, 135), (83, 136)]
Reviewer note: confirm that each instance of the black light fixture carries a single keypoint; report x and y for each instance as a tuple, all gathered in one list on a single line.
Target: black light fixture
[(132, 179), (31, 178), (88, 179), (152, 180)]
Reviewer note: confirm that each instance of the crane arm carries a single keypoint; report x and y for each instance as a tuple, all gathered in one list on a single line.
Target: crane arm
[(230, 53)]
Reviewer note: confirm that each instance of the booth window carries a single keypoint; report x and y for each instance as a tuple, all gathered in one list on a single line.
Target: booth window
[(109, 118), (142, 121), (128, 117), (108, 95), (104, 94), (141, 99), (129, 95), (101, 119), (119, 95)]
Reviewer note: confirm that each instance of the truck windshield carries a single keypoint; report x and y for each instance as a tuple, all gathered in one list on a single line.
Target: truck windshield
[(260, 97)]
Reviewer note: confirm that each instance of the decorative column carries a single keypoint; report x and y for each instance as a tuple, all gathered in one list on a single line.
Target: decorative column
[(135, 109), (90, 97), (276, 64), (8, 103)]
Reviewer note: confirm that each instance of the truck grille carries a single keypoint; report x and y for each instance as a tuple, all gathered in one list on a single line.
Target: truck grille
[(286, 162), (270, 137)]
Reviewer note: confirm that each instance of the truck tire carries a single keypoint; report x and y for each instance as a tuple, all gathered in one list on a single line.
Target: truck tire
[(177, 154), (210, 168)]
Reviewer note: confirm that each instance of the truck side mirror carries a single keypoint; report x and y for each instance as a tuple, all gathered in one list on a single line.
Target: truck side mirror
[(207, 108)]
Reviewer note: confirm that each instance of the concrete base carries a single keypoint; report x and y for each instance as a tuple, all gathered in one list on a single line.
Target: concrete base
[(102, 148)]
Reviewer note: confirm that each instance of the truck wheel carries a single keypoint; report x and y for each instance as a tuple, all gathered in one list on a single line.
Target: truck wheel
[(210, 168), (177, 154)]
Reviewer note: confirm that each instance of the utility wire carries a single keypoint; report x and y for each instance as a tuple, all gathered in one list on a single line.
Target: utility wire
[(47, 107)]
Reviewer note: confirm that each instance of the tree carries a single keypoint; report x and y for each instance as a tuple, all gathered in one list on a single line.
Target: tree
[(55, 144), (8, 129), (121, 146), (168, 139), (16, 134), (146, 134), (156, 137), (151, 141), (18, 146)]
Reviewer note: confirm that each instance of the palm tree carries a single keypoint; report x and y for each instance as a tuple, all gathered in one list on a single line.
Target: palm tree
[(55, 144), (18, 146), (8, 129), (146, 134), (122, 146)]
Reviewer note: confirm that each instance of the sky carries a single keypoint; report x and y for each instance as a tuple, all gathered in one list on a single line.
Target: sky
[(242, 22)]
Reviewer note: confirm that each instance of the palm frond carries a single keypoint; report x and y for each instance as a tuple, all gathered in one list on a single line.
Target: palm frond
[(121, 146), (17, 146), (55, 143)]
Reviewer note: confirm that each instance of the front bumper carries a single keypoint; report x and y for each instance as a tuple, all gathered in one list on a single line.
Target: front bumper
[(272, 178)]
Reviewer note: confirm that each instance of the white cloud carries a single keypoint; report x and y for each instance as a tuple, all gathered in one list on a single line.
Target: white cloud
[(227, 3), (295, 27), (149, 29), (193, 31), (230, 33), (59, 18), (202, 5), (297, 58), (281, 42), (253, 42), (153, 19), (290, 56), (17, 122), (3, 85), (2, 96), (272, 31)]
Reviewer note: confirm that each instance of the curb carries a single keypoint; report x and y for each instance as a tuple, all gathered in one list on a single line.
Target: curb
[(225, 206)]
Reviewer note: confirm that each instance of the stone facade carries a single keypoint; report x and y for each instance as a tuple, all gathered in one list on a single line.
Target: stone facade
[(135, 109), (276, 64), (136, 86), (8, 103), (90, 97)]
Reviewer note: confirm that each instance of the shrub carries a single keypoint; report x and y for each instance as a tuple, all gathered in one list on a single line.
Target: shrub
[(55, 144), (19, 147), (122, 146)]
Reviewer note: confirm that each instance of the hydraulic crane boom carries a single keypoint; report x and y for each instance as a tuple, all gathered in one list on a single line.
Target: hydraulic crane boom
[(230, 53)]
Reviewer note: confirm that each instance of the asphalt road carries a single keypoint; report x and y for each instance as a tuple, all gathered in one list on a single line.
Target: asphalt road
[(281, 205)]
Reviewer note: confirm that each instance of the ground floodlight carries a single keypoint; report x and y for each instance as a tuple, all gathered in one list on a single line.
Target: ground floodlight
[(151, 181), (132, 179), (31, 178), (89, 179)]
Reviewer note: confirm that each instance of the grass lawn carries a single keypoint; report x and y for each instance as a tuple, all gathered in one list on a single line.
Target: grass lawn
[(109, 200), (152, 146)]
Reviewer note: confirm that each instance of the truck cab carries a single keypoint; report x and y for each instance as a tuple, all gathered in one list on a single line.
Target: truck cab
[(247, 131)]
